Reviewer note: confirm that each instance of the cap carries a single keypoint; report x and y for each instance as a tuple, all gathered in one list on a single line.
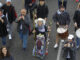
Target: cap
[(8, 0), (70, 37)]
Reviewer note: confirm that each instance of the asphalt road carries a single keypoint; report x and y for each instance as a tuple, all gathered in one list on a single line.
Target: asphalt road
[(16, 45)]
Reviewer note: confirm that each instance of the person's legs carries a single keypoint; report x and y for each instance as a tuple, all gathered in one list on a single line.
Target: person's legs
[(10, 27), (78, 41), (21, 35), (4, 40), (25, 39), (57, 38)]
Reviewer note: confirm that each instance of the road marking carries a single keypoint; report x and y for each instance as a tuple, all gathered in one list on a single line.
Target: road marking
[(60, 49)]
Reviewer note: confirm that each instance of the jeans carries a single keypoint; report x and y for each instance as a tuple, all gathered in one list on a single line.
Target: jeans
[(78, 41), (10, 28), (4, 40), (24, 38)]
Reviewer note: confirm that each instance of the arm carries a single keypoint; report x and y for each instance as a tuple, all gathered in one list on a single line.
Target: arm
[(47, 11), (75, 16), (14, 13), (55, 18), (68, 19)]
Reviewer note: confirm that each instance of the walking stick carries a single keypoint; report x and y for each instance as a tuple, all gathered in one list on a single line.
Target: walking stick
[(34, 12), (47, 41)]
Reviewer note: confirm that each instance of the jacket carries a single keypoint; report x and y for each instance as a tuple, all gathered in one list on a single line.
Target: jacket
[(42, 11), (10, 11), (7, 58), (76, 17), (62, 17), (3, 29), (25, 24)]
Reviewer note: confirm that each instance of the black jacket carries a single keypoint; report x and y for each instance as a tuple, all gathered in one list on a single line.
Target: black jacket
[(25, 24), (76, 17), (27, 2), (3, 29), (42, 11), (7, 58), (10, 10), (63, 18)]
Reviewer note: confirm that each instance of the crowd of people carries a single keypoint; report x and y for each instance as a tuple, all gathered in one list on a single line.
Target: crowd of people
[(38, 14)]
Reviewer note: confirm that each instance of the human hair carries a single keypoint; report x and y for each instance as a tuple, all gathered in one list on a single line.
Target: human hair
[(78, 5), (61, 7), (1, 53)]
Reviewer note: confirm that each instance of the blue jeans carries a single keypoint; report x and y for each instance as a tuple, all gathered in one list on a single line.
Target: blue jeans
[(78, 41), (24, 38), (4, 40)]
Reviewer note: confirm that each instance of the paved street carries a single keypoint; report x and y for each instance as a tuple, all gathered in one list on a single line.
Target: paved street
[(15, 44)]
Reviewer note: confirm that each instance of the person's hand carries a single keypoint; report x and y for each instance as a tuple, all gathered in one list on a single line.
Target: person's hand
[(65, 45), (35, 16), (66, 26), (30, 4), (57, 23), (19, 18), (34, 31), (1, 20), (49, 28), (45, 19), (23, 17), (75, 24), (68, 44)]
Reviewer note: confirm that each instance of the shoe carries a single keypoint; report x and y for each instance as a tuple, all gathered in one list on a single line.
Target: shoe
[(56, 46), (24, 49), (10, 37)]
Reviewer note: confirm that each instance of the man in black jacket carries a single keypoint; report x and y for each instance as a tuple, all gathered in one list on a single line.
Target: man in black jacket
[(61, 18), (42, 10), (10, 13), (76, 19), (30, 6)]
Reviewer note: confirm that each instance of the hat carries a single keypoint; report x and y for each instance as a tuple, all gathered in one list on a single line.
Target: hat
[(8, 0), (1, 4), (40, 19), (70, 37)]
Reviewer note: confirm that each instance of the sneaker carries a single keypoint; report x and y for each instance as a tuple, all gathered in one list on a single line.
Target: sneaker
[(56, 46), (10, 37)]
